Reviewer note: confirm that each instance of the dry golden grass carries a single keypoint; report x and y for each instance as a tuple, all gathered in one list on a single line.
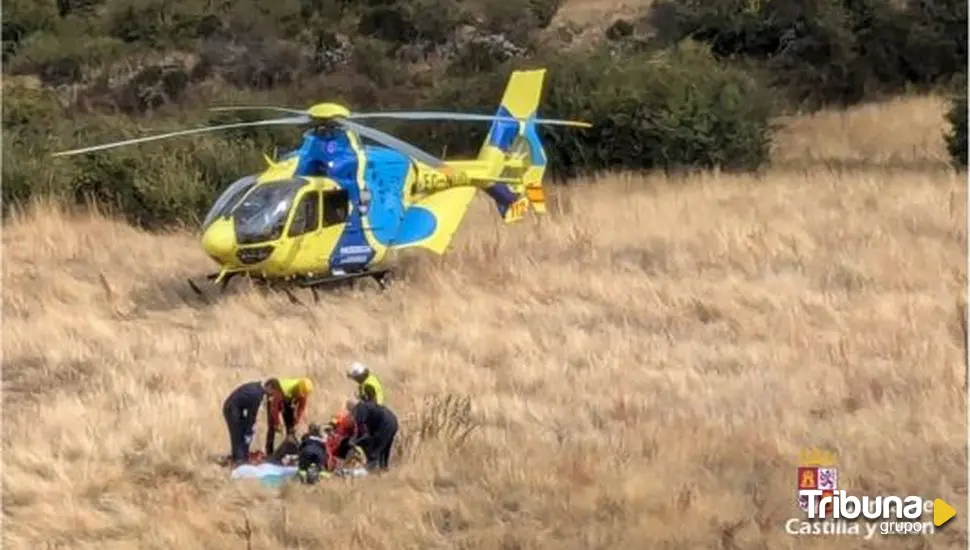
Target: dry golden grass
[(588, 20), (643, 366), (601, 13), (905, 132)]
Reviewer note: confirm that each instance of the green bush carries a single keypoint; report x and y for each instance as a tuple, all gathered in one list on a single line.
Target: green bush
[(406, 22), (956, 138), (153, 185), (828, 51), (63, 57), (23, 18), (28, 119), (673, 110), (122, 68)]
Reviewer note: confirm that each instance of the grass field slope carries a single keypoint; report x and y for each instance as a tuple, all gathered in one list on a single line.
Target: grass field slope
[(642, 367)]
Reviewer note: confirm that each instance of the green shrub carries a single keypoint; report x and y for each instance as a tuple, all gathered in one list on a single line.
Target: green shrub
[(62, 57), (515, 21), (675, 110), (669, 110), (828, 51), (404, 22), (28, 118), (956, 139), (153, 185), (23, 18), (543, 11)]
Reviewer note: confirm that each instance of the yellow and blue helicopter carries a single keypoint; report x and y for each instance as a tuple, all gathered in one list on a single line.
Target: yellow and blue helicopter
[(334, 208)]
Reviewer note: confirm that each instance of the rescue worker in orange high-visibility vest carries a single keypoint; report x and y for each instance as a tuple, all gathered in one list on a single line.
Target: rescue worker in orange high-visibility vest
[(342, 429), (287, 399)]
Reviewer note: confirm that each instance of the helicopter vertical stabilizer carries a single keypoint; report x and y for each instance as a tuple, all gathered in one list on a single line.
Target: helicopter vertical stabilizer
[(513, 151)]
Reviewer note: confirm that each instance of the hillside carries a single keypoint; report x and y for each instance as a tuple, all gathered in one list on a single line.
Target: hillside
[(642, 367), (670, 85)]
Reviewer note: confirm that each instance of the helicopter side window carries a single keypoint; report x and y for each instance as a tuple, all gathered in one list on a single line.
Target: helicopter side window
[(306, 218), (335, 207)]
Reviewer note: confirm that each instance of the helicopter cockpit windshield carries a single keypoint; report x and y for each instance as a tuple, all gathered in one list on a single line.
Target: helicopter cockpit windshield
[(224, 204), (262, 215)]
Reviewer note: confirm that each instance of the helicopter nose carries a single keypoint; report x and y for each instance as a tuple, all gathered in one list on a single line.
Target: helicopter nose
[(218, 240)]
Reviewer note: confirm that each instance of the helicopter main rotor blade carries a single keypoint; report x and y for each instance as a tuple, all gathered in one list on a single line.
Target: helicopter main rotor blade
[(562, 122), (392, 142), (443, 115), (270, 122), (430, 115), (259, 108)]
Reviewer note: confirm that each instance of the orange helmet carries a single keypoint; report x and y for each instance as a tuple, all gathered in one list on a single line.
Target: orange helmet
[(338, 418), (342, 422)]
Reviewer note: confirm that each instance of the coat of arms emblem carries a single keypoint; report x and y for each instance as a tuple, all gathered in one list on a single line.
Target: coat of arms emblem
[(816, 471)]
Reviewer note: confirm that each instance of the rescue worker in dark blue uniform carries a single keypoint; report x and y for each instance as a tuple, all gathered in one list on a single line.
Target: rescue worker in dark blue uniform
[(312, 461), (376, 429), (239, 410)]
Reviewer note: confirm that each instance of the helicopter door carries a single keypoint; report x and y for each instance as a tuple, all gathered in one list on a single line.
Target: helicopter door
[(304, 236), (335, 207), (352, 251)]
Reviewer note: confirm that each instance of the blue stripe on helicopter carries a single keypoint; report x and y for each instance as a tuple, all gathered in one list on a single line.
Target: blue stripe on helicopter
[(306, 155), (352, 249), (386, 176), (316, 152), (503, 135), (418, 224), (503, 196)]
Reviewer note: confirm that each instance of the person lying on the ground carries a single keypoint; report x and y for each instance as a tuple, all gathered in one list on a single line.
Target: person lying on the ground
[(286, 453), (286, 407), (239, 410), (312, 461), (376, 428)]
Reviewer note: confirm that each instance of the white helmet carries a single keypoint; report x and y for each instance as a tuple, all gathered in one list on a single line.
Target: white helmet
[(357, 370)]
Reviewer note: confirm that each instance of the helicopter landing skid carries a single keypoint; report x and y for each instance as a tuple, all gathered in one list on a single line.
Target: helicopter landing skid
[(223, 285), (380, 276), (314, 283)]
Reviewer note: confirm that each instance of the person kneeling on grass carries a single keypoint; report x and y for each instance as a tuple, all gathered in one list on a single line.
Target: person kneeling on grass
[(312, 461), (376, 429)]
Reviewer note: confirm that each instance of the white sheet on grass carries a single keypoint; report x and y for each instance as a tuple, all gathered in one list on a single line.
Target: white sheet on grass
[(260, 471)]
